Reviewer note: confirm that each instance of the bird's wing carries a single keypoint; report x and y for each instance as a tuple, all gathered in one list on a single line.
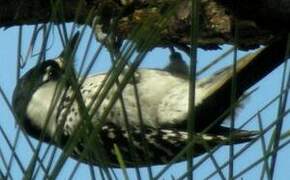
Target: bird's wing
[(156, 146)]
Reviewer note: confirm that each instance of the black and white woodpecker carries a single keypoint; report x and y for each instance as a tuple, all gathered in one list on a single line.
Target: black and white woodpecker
[(46, 109)]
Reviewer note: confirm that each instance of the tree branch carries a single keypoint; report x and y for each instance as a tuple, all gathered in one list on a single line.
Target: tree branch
[(258, 20)]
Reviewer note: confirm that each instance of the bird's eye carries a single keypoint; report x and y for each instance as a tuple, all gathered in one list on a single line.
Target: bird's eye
[(48, 74), (49, 71)]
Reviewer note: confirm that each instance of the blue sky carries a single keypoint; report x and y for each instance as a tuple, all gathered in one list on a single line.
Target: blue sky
[(268, 88)]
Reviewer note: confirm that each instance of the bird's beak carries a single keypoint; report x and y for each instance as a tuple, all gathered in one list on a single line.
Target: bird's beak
[(60, 62), (68, 51)]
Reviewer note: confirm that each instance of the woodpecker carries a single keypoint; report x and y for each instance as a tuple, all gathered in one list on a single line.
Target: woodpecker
[(46, 109)]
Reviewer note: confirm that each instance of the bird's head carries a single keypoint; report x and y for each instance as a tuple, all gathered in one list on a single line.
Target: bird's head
[(35, 91), (34, 86)]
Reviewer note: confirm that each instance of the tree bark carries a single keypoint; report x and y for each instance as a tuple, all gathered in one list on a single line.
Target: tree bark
[(249, 23)]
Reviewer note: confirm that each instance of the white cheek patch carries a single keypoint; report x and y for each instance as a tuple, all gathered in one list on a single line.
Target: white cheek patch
[(38, 108), (45, 77)]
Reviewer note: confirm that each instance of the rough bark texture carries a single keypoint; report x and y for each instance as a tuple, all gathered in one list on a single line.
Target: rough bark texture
[(257, 22)]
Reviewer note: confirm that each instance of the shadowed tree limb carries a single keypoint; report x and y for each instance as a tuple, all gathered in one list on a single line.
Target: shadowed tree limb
[(258, 20)]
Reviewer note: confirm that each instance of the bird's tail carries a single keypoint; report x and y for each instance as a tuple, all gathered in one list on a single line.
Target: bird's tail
[(251, 68), (235, 137), (217, 89)]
